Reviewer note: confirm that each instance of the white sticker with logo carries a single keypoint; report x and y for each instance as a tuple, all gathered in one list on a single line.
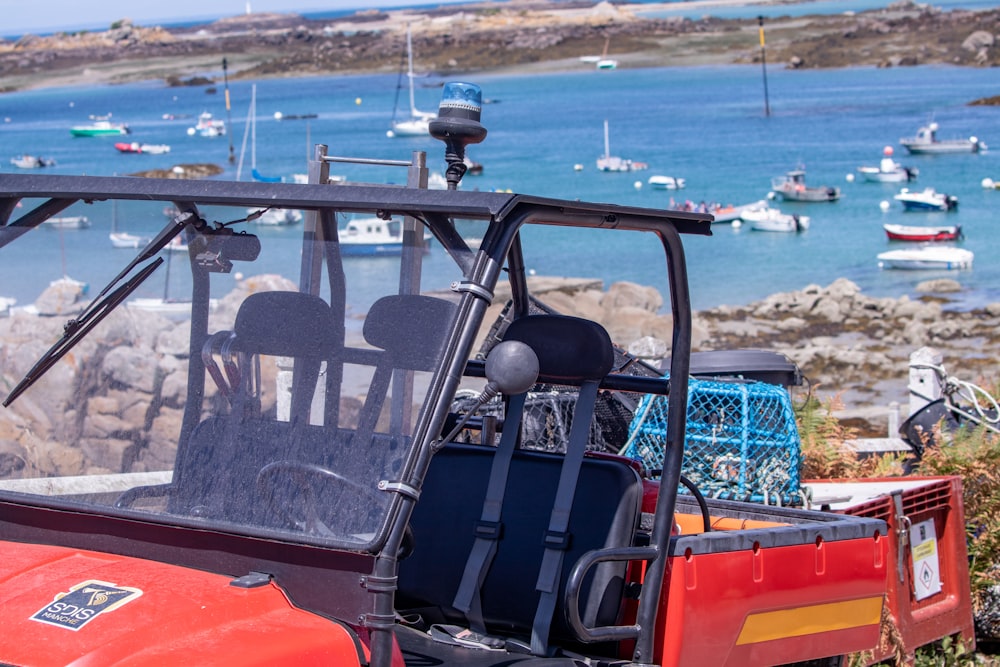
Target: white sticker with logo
[(83, 603)]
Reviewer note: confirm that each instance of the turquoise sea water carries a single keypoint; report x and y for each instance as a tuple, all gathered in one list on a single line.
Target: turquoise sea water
[(706, 125)]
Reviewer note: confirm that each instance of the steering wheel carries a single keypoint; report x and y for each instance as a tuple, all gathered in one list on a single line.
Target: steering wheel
[(302, 473), (306, 478)]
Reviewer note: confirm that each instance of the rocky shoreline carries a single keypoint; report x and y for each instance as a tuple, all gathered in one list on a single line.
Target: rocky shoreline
[(524, 36), (853, 349)]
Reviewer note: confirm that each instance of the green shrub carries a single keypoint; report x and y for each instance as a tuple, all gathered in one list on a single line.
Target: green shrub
[(974, 455), (949, 652)]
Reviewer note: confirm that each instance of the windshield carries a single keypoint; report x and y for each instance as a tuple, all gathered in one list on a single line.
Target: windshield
[(291, 376), (264, 379)]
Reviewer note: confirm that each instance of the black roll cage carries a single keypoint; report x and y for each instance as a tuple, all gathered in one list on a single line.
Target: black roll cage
[(506, 214)]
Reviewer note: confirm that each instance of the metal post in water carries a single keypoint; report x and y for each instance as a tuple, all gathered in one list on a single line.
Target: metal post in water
[(763, 64), (229, 115)]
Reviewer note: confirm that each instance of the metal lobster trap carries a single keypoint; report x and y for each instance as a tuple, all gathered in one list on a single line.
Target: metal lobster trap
[(741, 441)]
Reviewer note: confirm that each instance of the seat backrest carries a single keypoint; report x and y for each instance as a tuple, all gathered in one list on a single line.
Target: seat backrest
[(409, 328), (287, 324), (409, 331), (450, 517), (570, 350)]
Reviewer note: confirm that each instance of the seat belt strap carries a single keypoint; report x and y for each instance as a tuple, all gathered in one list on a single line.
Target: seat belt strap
[(489, 530), (557, 538)]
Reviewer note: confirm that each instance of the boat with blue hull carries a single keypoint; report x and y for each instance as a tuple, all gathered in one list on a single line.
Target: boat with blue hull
[(927, 199), (372, 237)]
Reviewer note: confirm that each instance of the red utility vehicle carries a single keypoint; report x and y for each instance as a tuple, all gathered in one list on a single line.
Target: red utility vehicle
[(293, 483)]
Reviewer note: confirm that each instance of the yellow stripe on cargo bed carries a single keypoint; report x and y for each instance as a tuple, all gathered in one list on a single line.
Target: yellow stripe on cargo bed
[(770, 625)]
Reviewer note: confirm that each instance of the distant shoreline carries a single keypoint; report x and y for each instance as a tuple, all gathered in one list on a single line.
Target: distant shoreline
[(488, 38)]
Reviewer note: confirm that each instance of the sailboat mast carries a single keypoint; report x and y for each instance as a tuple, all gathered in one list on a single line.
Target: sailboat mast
[(253, 126), (246, 132), (409, 70), (607, 144)]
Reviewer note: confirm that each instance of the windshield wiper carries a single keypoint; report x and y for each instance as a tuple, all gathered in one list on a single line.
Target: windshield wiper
[(75, 329), (160, 242)]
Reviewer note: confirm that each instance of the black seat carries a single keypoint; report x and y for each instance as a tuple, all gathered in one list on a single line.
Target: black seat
[(224, 454), (217, 457), (605, 514), (448, 521), (286, 324), (408, 331), (227, 455)]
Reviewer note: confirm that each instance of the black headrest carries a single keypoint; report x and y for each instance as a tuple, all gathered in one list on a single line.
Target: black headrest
[(411, 328), (289, 324), (570, 350)]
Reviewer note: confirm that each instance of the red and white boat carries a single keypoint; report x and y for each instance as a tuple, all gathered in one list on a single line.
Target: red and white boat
[(136, 147), (923, 234)]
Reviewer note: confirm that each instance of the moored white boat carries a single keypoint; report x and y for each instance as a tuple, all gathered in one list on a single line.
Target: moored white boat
[(922, 234), (126, 240), (68, 222), (658, 182), (418, 122), (31, 162), (927, 258), (731, 212), (274, 217), (927, 199), (207, 126), (888, 170), (927, 142), (136, 147), (415, 126), (372, 237), (121, 239), (773, 220)]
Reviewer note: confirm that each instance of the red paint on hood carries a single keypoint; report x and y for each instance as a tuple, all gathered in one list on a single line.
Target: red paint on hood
[(134, 612)]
